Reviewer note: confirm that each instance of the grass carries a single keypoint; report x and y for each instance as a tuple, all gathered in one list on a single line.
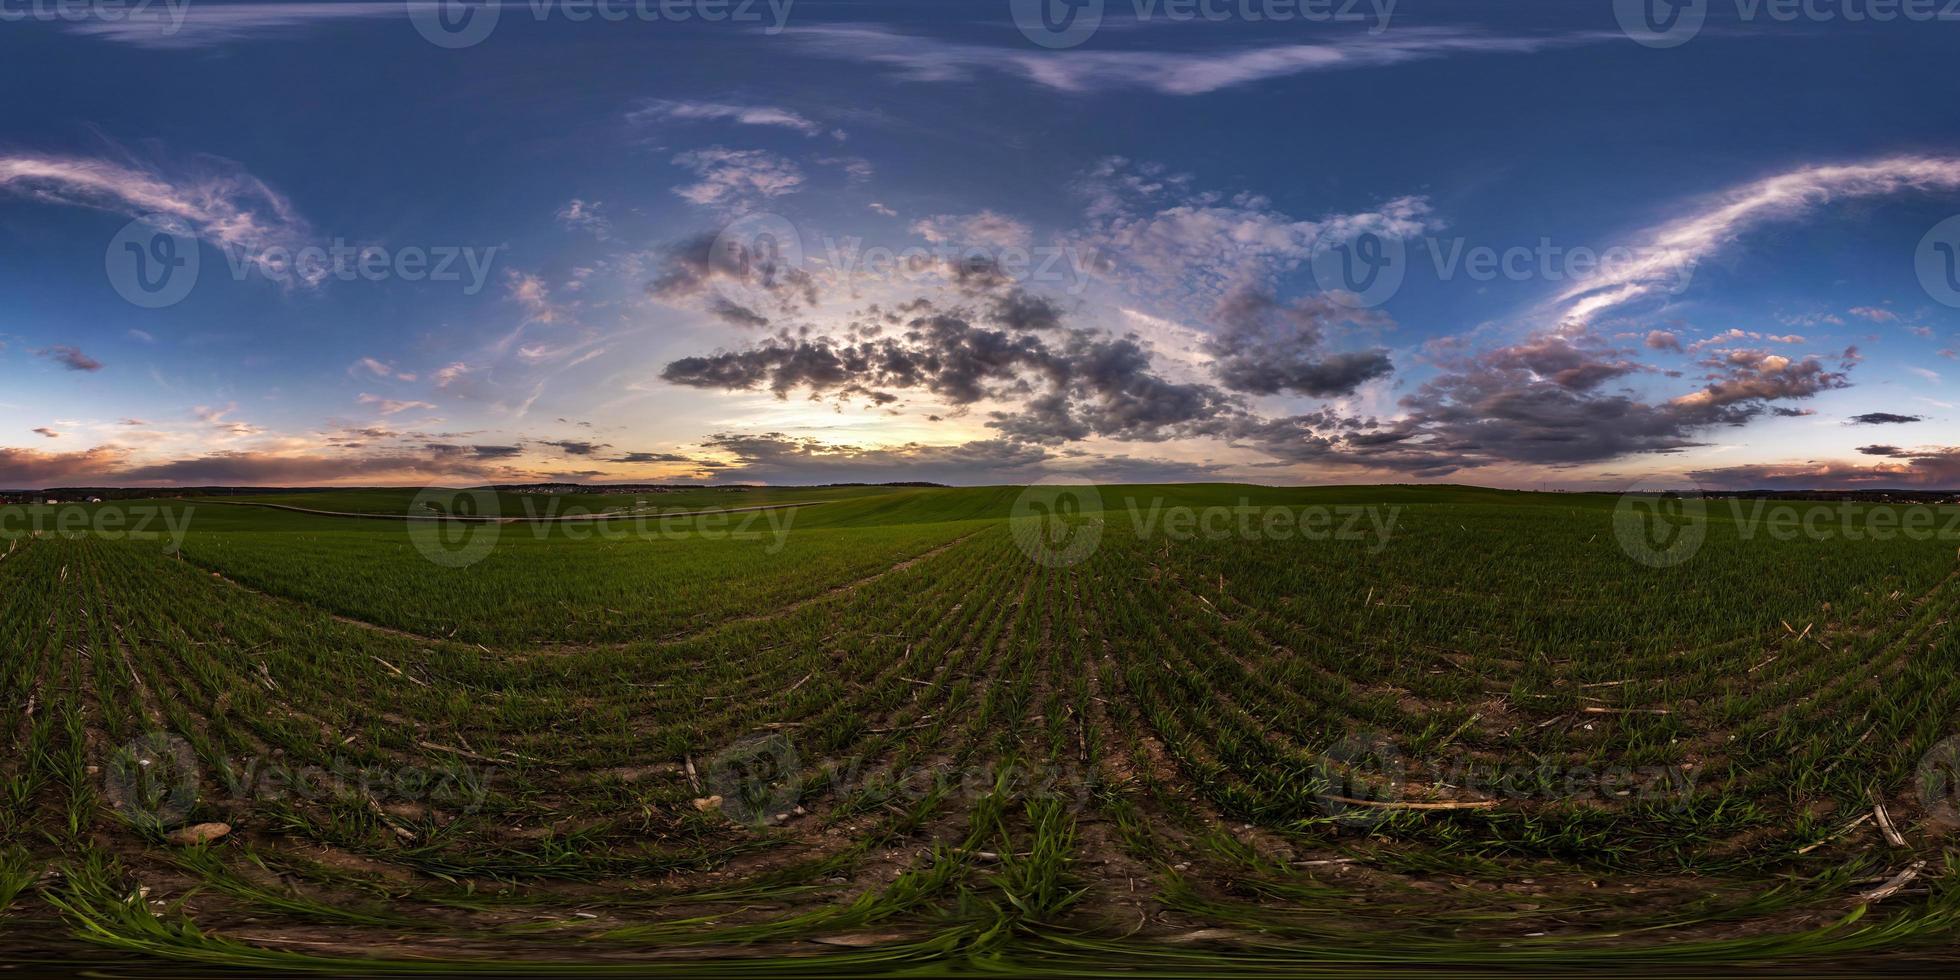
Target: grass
[(1471, 732)]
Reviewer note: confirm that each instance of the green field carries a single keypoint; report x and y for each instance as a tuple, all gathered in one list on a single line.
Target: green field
[(1243, 729)]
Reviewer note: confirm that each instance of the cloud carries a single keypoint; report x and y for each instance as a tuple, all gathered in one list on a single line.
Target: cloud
[(448, 450), (116, 466), (1672, 250), (1263, 347), (585, 216), (982, 228), (183, 25), (1151, 231), (215, 418), (219, 204), (1663, 340), (530, 292), (50, 433), (1883, 418), (702, 268), (69, 357), (573, 447), (1875, 314), (380, 369), (391, 406), (737, 180), (747, 115), (925, 59), (1932, 468), (1754, 375), (773, 457), (649, 458)]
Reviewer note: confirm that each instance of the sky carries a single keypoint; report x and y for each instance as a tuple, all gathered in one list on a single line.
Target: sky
[(1541, 243)]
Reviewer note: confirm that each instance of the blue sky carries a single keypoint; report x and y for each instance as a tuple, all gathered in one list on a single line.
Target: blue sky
[(544, 254)]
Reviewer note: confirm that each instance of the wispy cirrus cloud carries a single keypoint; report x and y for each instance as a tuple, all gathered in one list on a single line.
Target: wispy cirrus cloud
[(927, 59), (181, 24), (391, 406), (218, 202), (657, 110), (1675, 247)]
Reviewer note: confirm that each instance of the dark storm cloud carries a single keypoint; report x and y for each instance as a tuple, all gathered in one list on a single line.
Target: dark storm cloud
[(1071, 385), (649, 458), (691, 268), (735, 314), (1263, 347), (449, 450)]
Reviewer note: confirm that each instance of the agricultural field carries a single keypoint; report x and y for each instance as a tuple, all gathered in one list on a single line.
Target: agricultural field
[(1136, 730)]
